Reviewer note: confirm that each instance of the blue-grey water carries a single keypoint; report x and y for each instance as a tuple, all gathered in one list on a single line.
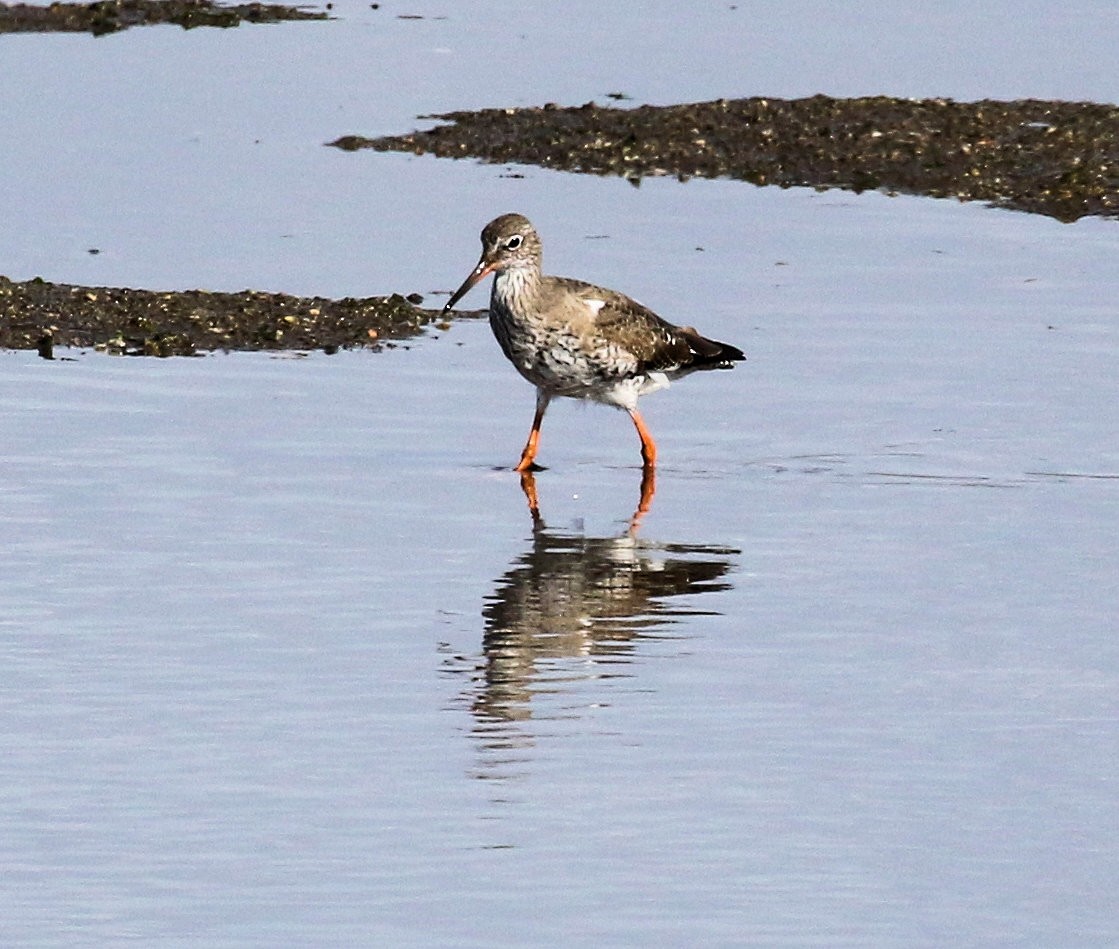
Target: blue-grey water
[(285, 661)]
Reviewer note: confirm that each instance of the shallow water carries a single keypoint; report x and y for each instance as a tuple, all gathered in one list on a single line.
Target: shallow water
[(286, 663)]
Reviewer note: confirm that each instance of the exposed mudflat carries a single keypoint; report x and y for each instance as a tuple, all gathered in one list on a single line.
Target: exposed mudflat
[(39, 315), (1055, 158), (112, 16)]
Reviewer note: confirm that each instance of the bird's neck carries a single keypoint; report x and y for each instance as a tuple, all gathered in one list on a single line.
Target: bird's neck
[(516, 288)]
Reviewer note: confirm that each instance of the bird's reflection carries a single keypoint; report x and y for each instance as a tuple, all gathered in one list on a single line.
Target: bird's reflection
[(569, 612)]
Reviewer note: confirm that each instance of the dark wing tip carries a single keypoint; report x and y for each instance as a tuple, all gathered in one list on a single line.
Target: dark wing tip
[(710, 353)]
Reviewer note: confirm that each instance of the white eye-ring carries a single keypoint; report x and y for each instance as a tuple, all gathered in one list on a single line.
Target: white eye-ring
[(514, 242)]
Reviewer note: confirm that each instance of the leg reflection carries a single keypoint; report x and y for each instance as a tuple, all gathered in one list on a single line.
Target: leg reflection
[(648, 489), (528, 485), (644, 503)]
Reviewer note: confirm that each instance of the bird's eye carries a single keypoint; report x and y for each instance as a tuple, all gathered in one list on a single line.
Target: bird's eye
[(514, 242)]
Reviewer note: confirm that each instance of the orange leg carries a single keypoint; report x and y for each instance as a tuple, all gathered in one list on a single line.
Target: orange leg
[(648, 446), (648, 489), (528, 456)]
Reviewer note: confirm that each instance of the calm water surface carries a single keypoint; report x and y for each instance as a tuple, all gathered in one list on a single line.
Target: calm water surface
[(285, 661)]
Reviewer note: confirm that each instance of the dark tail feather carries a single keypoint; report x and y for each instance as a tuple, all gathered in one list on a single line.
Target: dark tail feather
[(709, 353)]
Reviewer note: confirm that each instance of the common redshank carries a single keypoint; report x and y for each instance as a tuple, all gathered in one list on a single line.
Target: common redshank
[(574, 339)]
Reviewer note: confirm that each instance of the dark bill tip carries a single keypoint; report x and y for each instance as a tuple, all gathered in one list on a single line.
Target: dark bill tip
[(478, 274)]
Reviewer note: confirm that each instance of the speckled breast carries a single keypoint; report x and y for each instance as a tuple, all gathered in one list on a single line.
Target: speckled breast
[(556, 359)]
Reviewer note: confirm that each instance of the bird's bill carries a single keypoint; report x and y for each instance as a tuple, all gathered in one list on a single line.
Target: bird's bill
[(483, 270)]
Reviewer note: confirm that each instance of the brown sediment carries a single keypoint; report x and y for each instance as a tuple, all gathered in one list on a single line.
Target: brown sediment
[(112, 16), (1060, 159), (35, 314)]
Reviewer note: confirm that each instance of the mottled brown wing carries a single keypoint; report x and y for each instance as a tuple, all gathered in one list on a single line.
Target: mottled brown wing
[(656, 343), (658, 346), (661, 346)]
